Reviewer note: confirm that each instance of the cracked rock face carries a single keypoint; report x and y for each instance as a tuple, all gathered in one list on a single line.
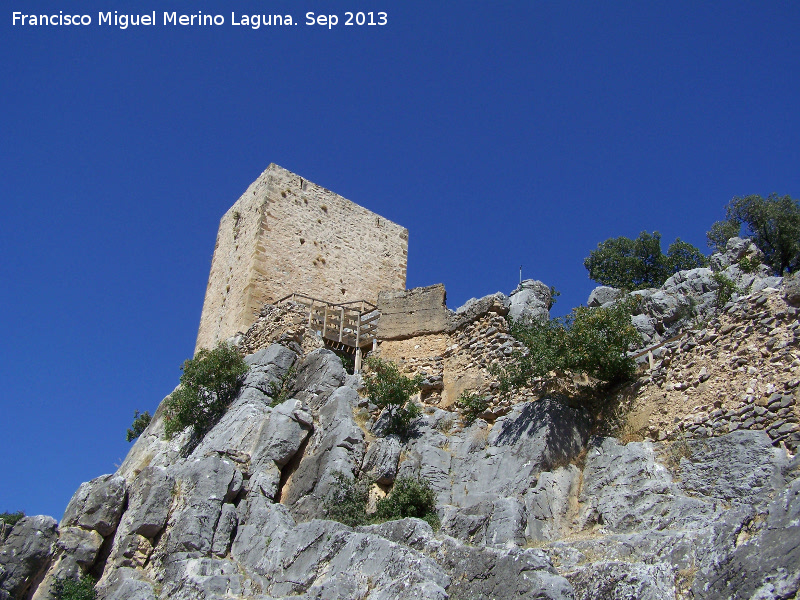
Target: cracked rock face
[(531, 506)]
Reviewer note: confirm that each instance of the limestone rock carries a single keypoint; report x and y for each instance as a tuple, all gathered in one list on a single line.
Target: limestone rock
[(318, 375), (791, 289), (623, 580), (97, 505), (25, 555), (533, 437), (380, 461), (602, 295), (764, 566), (337, 445), (742, 467), (625, 488), (531, 300), (125, 584)]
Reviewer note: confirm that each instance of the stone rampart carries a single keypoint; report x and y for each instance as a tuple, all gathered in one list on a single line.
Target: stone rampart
[(286, 234)]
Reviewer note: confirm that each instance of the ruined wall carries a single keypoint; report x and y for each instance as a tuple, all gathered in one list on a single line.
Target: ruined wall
[(286, 234)]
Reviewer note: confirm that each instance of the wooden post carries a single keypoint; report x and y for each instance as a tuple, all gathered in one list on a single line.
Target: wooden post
[(310, 313), (341, 325), (325, 322), (357, 367)]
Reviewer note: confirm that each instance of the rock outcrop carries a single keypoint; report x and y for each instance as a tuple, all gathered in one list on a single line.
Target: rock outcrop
[(701, 502)]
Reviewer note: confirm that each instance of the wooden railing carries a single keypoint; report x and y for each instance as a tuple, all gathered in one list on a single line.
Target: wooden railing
[(350, 325)]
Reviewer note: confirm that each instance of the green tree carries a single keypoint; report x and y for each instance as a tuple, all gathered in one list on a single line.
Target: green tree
[(637, 264), (391, 390), (209, 383), (140, 423), (773, 223), (590, 340)]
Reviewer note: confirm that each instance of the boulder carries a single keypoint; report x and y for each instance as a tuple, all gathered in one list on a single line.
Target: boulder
[(380, 461), (25, 555), (97, 505), (791, 288), (530, 300), (602, 295)]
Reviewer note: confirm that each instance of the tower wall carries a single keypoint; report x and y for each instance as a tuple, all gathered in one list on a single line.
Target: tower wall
[(286, 234)]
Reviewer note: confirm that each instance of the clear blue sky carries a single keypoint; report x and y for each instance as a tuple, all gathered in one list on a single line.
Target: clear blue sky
[(499, 133)]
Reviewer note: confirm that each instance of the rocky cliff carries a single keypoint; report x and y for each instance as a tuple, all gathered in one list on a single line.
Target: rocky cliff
[(533, 502)]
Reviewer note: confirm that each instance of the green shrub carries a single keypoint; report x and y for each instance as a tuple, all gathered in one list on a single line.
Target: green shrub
[(347, 500), (410, 497), (10, 518), (209, 383), (75, 589), (594, 341), (749, 265), (472, 404), (280, 390), (140, 423), (389, 389), (725, 289)]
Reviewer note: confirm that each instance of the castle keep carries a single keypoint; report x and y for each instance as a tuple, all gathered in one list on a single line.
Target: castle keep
[(286, 234)]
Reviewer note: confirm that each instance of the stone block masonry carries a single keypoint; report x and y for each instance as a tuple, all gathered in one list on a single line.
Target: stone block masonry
[(286, 234)]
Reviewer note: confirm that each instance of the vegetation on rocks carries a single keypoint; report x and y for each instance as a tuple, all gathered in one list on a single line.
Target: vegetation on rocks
[(410, 497), (389, 389), (637, 264), (140, 423), (75, 589), (209, 383), (472, 404), (773, 223), (10, 518), (280, 390), (594, 341), (726, 288), (347, 501)]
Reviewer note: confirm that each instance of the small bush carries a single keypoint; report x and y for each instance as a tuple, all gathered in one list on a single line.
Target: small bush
[(749, 265), (725, 289), (140, 423), (10, 518), (280, 390), (410, 497), (391, 390), (75, 589), (347, 501), (472, 404), (209, 383)]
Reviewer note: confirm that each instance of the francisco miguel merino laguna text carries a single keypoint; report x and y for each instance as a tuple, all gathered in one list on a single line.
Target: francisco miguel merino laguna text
[(123, 21)]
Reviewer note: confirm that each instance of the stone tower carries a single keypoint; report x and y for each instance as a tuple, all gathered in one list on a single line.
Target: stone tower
[(286, 234)]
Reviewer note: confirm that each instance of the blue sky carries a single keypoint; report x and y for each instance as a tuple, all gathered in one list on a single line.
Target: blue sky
[(500, 134)]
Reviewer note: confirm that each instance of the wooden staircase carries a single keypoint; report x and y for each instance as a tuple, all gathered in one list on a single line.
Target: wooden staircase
[(348, 327)]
